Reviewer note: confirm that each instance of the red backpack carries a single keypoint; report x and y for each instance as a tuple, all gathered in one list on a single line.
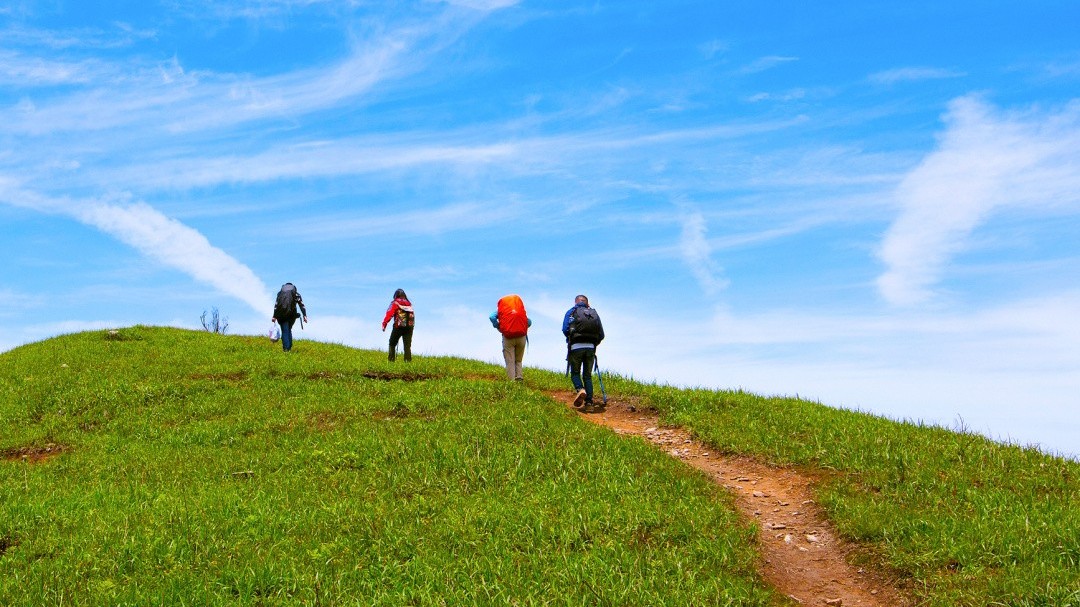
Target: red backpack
[(512, 319)]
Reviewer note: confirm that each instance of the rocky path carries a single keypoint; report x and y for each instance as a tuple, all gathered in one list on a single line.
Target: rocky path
[(803, 556)]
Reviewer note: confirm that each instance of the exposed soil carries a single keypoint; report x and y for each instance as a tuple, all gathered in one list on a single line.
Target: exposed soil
[(6, 543), (804, 558), (33, 455), (396, 376), (234, 376), (406, 376)]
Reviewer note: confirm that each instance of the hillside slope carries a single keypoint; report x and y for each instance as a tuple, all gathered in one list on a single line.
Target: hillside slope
[(160, 466), (157, 465)]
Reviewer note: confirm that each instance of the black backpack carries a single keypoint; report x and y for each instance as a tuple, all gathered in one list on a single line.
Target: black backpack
[(285, 305), (585, 325)]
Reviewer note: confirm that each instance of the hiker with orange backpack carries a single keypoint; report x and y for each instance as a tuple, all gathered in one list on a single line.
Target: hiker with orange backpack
[(583, 331), (401, 311), (510, 319)]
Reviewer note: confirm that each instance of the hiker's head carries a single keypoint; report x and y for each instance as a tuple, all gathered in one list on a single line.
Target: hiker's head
[(581, 299), (400, 294)]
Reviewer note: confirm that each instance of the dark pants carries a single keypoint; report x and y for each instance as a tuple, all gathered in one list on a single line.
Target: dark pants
[(286, 333), (581, 366), (405, 334)]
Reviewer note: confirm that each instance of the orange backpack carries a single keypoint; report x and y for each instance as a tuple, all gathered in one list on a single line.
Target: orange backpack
[(512, 319)]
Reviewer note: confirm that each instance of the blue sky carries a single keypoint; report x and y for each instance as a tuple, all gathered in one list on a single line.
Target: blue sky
[(871, 204)]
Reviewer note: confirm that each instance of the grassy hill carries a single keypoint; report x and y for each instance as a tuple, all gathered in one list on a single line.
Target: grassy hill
[(160, 466)]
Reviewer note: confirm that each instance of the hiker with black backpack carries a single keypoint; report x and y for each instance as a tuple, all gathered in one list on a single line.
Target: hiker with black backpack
[(288, 298), (401, 311), (583, 331), (510, 319)]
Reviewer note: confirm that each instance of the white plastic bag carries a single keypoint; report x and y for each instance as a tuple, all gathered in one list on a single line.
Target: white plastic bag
[(275, 332)]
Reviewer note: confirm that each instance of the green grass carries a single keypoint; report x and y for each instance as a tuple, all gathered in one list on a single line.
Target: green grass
[(198, 469), (191, 468), (971, 522)]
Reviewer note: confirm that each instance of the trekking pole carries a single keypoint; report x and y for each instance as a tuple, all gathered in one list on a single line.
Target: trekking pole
[(596, 363)]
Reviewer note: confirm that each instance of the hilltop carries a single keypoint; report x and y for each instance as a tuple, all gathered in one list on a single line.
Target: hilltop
[(162, 466)]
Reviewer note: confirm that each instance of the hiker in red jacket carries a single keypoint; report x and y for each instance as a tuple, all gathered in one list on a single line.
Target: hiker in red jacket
[(510, 320), (401, 311)]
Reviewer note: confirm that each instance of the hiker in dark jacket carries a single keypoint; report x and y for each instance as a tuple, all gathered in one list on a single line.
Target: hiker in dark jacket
[(401, 311), (583, 331), (288, 298)]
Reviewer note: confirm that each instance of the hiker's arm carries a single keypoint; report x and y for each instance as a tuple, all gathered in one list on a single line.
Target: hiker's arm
[(300, 302), (389, 314), (494, 318)]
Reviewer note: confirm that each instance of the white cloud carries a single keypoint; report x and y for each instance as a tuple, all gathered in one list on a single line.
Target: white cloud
[(1063, 70), (429, 221), (766, 63), (697, 252), (310, 160), (18, 70), (161, 238), (912, 74), (120, 35), (165, 96), (713, 48), (483, 5), (985, 160), (792, 95), (468, 150), (179, 246), (981, 365)]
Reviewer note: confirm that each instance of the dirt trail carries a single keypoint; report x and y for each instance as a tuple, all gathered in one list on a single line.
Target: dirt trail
[(803, 556)]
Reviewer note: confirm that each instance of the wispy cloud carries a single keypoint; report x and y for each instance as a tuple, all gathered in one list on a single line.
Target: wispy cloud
[(468, 149), (792, 95), (450, 218), (766, 63), (712, 48), (697, 252), (167, 96), (161, 238), (261, 10), (985, 160), (23, 71), (120, 35), (310, 160), (483, 5), (912, 74), (179, 246)]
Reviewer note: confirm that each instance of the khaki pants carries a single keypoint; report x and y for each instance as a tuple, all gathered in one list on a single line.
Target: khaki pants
[(513, 354)]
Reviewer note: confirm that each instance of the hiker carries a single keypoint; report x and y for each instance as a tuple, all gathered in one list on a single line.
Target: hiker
[(401, 311), (285, 313), (583, 331), (510, 319)]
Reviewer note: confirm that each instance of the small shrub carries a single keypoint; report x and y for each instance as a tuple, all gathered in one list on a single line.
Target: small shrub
[(216, 323)]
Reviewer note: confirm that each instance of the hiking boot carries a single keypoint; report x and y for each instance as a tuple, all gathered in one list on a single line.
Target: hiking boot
[(579, 399)]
